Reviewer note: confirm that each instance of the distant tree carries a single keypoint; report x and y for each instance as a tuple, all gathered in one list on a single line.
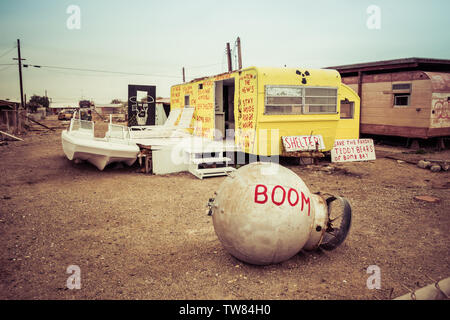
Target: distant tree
[(116, 101), (37, 102), (84, 103)]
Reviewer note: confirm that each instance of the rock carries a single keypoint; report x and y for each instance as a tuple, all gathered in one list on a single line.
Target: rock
[(327, 169), (435, 168), (427, 199), (400, 161), (445, 167), (423, 164)]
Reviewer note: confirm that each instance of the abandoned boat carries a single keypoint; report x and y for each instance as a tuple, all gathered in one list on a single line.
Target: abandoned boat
[(79, 142)]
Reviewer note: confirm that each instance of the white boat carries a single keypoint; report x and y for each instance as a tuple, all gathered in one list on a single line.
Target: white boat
[(168, 130), (78, 142)]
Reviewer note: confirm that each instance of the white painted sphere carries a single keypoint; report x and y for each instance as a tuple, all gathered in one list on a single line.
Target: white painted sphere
[(263, 213)]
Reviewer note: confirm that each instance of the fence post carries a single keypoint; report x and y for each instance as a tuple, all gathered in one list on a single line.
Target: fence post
[(19, 123), (7, 120), (14, 116)]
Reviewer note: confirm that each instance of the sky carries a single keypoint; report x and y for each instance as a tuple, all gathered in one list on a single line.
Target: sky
[(149, 42)]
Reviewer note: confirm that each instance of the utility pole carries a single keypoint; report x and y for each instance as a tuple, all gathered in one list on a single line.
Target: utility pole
[(239, 53), (184, 78), (230, 67), (20, 72)]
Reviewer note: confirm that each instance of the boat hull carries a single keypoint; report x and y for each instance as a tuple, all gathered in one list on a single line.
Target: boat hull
[(99, 152)]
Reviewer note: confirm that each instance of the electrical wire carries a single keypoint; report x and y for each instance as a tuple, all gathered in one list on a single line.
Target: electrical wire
[(3, 69), (103, 71), (7, 51), (75, 73)]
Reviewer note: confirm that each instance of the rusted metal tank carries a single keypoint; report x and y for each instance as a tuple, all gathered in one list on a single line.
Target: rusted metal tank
[(264, 213)]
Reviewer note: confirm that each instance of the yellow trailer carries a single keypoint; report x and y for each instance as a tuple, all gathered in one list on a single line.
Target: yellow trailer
[(262, 105)]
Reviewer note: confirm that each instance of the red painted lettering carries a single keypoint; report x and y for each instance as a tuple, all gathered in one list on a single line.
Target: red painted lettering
[(306, 201), (264, 193), (289, 197), (273, 195)]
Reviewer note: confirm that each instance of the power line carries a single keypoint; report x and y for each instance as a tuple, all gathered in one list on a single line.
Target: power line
[(4, 68), (7, 51), (102, 71), (73, 73), (63, 70)]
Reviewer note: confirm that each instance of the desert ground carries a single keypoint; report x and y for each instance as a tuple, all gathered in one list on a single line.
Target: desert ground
[(142, 236)]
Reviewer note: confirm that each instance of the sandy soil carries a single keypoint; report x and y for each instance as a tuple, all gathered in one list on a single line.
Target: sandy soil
[(137, 236)]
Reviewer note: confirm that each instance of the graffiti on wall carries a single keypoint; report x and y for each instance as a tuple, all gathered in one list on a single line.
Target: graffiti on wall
[(440, 110), (245, 115)]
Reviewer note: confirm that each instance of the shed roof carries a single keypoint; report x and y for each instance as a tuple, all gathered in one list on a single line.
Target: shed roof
[(424, 64), (8, 103)]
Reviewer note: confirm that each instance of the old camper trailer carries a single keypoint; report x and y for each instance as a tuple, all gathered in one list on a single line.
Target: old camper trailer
[(262, 105), (403, 97)]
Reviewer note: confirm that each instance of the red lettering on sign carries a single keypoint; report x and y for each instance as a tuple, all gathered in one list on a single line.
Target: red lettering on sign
[(273, 195), (288, 144), (264, 193)]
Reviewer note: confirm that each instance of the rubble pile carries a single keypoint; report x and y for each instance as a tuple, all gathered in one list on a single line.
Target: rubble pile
[(434, 165)]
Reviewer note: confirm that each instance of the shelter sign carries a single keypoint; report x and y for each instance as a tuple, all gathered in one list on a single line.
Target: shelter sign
[(347, 150), (141, 105), (303, 143)]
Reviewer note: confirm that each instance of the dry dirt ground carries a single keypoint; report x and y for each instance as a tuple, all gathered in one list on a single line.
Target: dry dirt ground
[(138, 236)]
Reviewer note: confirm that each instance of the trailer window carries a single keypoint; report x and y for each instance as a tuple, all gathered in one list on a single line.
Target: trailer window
[(300, 100), (402, 94), (283, 100), (320, 100), (401, 86), (347, 109), (401, 99)]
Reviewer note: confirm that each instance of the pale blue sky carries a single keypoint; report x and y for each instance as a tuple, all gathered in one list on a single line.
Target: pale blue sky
[(160, 37)]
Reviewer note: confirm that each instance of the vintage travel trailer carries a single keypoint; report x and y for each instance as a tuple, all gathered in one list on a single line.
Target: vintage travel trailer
[(262, 105), (403, 97)]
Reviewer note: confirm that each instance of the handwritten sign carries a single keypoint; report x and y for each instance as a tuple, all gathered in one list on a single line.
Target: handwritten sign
[(346, 150), (302, 143)]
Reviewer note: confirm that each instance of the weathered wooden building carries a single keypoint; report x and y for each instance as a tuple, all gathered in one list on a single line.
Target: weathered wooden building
[(404, 97), (8, 114)]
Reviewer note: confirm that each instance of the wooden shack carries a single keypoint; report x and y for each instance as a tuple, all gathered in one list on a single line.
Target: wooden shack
[(403, 97), (8, 115)]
